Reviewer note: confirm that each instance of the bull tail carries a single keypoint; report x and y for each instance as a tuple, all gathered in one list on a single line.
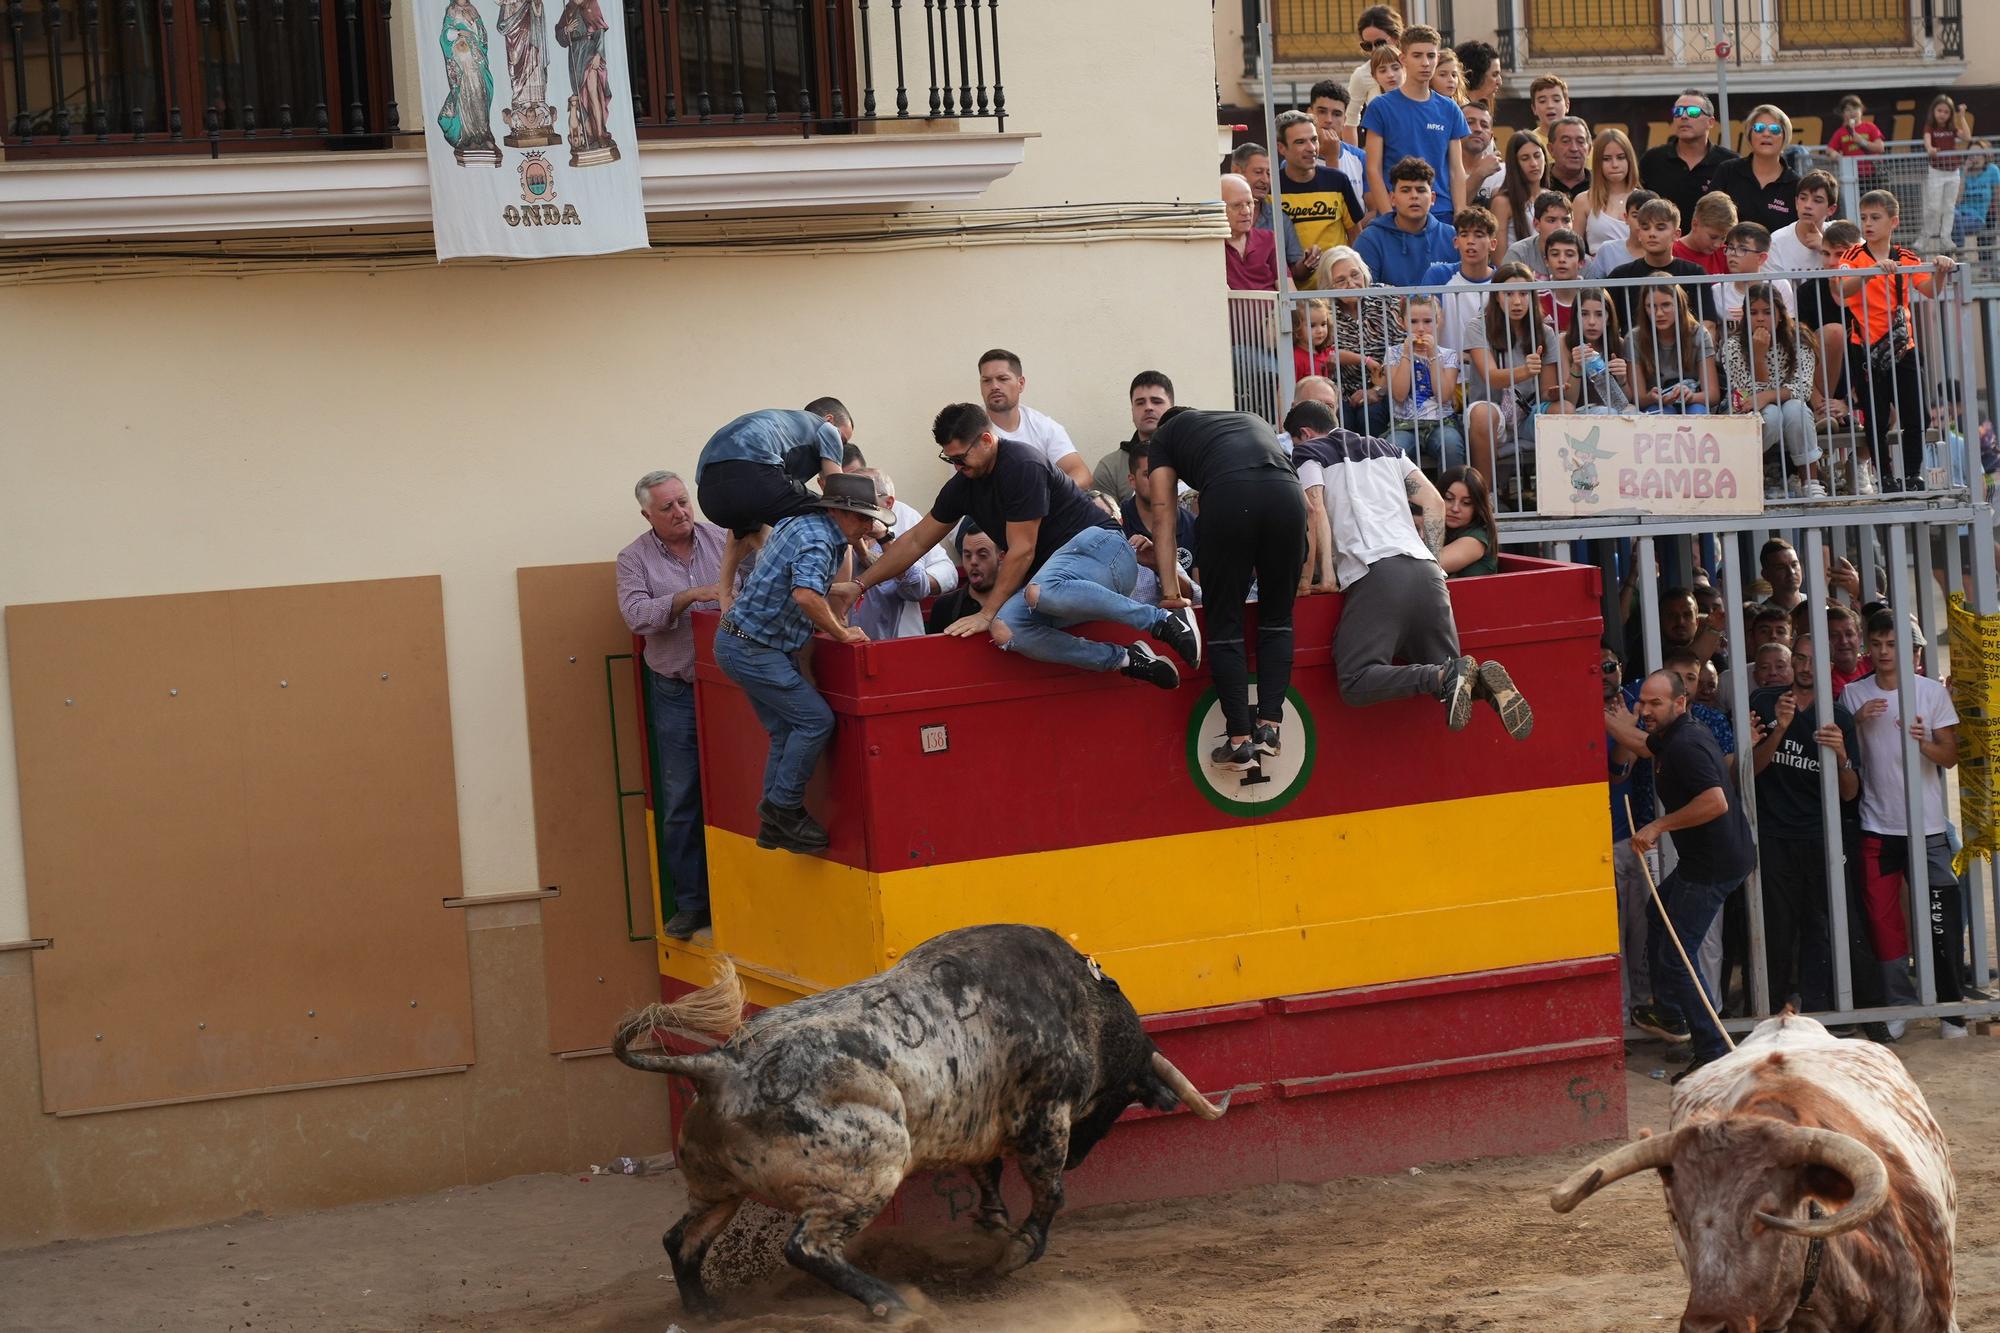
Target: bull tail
[(716, 1008)]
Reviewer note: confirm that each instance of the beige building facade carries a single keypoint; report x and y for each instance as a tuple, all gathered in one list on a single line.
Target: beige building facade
[(248, 372)]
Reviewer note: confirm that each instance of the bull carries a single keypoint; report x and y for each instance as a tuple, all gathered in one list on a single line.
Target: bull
[(980, 1044), (1761, 1145)]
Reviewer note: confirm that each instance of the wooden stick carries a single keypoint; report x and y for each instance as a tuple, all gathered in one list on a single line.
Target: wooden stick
[(1701, 991)]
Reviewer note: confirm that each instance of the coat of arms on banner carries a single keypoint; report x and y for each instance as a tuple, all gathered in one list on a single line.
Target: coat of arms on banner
[(505, 82)]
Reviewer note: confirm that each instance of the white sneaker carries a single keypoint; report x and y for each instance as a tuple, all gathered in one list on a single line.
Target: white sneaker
[(1951, 1030), (1811, 490), (1864, 480), (1897, 1027), (1774, 492)]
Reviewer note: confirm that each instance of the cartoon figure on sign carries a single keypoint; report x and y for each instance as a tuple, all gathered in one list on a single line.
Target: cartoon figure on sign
[(1582, 466), (467, 114)]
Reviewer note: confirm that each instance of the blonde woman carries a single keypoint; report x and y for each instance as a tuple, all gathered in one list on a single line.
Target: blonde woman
[(1759, 183), (1614, 174)]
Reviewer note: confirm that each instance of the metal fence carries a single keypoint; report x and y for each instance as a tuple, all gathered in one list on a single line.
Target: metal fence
[(1933, 214), (1534, 35), (1857, 426)]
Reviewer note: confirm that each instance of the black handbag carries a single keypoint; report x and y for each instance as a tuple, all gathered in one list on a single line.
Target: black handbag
[(1893, 346)]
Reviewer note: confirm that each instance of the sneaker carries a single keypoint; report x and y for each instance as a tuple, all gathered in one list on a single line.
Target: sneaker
[(1951, 1029), (1179, 632), (1239, 758), (1864, 480), (1895, 1028), (1266, 738), (770, 833), (1651, 1018), (1455, 691), (1142, 663), (686, 922), (1811, 490), (1496, 687), (1693, 1065), (1774, 492)]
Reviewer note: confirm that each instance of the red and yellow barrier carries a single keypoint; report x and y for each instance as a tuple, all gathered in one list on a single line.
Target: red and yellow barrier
[(1382, 866)]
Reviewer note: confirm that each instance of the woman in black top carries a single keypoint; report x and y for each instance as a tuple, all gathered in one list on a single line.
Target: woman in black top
[(1761, 185)]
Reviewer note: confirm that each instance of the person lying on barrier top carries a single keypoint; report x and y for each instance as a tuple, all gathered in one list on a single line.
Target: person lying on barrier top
[(1065, 561)]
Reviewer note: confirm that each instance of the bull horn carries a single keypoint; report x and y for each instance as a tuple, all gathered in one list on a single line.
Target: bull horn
[(1185, 1090), (1847, 1155), (1645, 1154)]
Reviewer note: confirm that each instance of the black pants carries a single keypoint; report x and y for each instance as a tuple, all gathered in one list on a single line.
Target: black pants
[(1251, 527), (1798, 941), (744, 496), (1892, 395)]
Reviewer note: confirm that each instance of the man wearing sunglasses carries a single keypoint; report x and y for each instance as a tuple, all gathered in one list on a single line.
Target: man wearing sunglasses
[(1682, 167), (1064, 561)]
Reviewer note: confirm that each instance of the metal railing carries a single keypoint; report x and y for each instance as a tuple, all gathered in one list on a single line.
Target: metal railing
[(215, 76), (165, 76), (1863, 434), (1533, 35), (1932, 214), (1323, 31)]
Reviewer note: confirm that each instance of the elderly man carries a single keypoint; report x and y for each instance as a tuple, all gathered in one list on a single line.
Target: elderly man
[(753, 472), (893, 610), (1253, 163), (1001, 384), (1249, 256), (1716, 856), (1396, 638), (666, 572), (1065, 562), (757, 644), (1569, 156), (1151, 394), (981, 558)]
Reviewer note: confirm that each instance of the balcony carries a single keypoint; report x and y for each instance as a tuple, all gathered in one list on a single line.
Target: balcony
[(96, 78), (1622, 38)]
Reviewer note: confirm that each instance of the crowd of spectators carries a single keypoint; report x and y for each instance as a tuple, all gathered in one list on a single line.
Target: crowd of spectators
[(1391, 176)]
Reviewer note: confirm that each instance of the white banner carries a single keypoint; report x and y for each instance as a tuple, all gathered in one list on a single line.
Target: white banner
[(529, 131), (1588, 465)]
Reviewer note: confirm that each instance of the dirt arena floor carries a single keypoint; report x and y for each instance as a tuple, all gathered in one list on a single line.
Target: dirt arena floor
[(1454, 1247)]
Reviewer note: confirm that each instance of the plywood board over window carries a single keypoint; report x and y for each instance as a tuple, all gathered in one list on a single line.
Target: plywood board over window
[(240, 822), (1810, 25), (585, 746), (1586, 28)]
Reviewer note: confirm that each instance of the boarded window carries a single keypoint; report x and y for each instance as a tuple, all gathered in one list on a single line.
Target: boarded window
[(1593, 28), (1807, 25)]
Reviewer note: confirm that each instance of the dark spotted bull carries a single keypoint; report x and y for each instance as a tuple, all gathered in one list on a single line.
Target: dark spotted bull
[(1808, 1186), (982, 1043)]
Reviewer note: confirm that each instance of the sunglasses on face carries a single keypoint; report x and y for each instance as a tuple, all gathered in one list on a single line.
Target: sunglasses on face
[(1370, 46), (1765, 127), (1608, 668), (956, 460), (1691, 112)]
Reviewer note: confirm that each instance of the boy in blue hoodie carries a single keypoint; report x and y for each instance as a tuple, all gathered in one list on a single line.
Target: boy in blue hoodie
[(1400, 245)]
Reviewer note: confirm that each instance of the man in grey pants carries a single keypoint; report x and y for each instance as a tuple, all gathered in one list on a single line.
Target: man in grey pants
[(1396, 636)]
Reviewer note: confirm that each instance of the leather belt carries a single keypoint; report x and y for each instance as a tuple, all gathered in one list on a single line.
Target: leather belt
[(728, 628)]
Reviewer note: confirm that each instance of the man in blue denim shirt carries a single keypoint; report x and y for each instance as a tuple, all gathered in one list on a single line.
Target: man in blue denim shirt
[(753, 473), (1065, 560), (783, 601)]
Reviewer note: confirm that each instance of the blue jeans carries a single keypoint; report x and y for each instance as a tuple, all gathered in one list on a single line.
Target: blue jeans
[(1090, 578), (677, 795), (1437, 444), (1368, 419), (1692, 906), (791, 710)]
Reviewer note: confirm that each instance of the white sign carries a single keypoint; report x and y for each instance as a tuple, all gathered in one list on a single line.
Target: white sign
[(1268, 784), (530, 135), (1587, 465)]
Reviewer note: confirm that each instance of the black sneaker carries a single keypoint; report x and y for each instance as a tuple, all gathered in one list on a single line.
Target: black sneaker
[(1496, 687), (1456, 691), (684, 923), (1692, 1066), (1179, 632), (1651, 1018), (770, 832), (1265, 738), (1142, 663), (1238, 758)]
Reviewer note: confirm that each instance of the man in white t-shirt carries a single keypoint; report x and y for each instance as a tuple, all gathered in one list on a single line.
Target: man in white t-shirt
[(1001, 384), (1795, 247), (1396, 638), (1886, 854)]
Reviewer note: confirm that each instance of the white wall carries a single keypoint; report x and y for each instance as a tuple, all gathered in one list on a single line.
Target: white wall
[(194, 433)]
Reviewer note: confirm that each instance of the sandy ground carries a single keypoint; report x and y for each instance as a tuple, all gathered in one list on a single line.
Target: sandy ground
[(1459, 1247)]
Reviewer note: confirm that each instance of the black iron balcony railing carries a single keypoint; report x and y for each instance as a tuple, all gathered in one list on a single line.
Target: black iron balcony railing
[(162, 75), (215, 76), (1534, 33)]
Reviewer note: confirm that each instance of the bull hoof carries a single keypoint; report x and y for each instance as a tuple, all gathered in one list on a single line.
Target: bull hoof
[(1015, 1254), (997, 1223)]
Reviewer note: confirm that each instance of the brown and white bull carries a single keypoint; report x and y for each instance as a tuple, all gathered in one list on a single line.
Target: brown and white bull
[(1809, 1188), (980, 1044)]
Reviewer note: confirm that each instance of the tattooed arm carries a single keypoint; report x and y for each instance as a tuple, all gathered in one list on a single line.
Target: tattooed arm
[(1424, 496)]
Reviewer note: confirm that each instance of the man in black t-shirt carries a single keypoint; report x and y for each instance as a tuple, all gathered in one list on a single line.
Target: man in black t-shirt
[(1064, 561), (1793, 745), (1681, 168), (1253, 523), (1716, 856)]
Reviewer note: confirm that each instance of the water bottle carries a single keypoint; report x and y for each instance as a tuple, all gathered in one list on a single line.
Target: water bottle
[(1595, 364)]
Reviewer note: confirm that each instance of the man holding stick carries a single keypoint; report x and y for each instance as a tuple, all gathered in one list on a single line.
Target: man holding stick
[(1716, 856)]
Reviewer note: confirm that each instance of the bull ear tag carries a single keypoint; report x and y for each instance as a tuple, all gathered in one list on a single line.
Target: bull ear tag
[(1096, 972)]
